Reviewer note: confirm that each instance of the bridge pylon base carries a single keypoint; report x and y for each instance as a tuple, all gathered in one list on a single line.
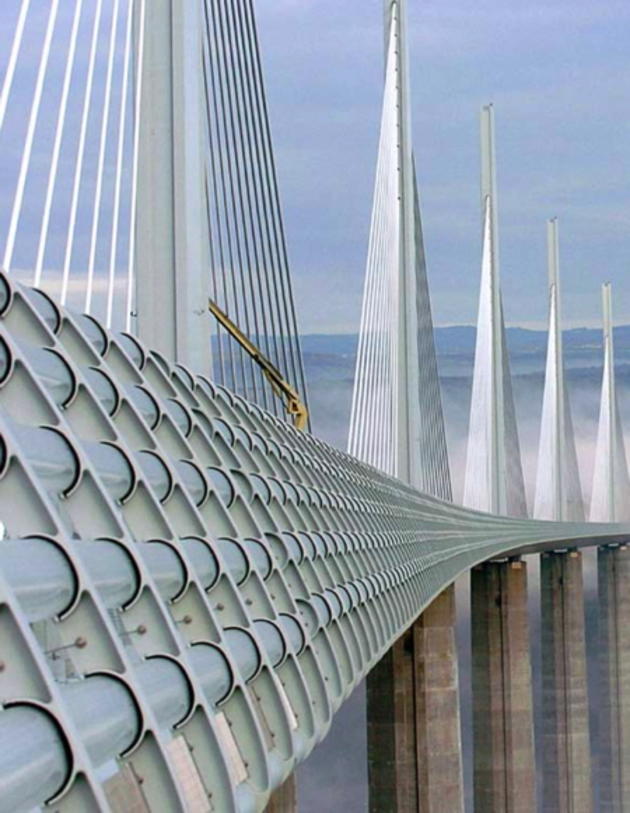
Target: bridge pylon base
[(566, 772), (503, 720), (414, 738), (438, 730), (613, 564)]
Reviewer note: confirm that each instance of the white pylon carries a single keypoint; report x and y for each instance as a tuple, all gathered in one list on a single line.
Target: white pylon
[(170, 262), (558, 491), (373, 423), (494, 476), (396, 421), (610, 499)]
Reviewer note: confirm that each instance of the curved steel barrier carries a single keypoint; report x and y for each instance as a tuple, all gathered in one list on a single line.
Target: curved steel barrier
[(189, 587)]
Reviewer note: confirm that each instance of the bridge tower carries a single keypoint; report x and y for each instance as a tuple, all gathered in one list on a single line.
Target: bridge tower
[(422, 458), (414, 739), (611, 500), (566, 771), (558, 491), (503, 733), (494, 477), (396, 421), (171, 229)]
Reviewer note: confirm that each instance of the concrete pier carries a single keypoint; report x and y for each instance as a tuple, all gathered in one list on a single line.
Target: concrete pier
[(284, 799), (391, 731), (414, 739), (614, 688), (566, 775), (438, 732), (503, 729)]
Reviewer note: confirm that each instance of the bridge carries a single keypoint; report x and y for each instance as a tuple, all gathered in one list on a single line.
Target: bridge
[(191, 587)]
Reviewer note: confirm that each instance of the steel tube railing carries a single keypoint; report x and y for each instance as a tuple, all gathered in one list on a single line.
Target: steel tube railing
[(43, 578), (105, 715), (33, 759), (240, 577)]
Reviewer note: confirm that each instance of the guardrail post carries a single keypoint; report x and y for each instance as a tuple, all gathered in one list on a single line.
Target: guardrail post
[(503, 720)]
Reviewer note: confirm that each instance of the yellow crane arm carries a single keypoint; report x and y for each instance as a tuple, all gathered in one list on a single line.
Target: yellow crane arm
[(292, 401)]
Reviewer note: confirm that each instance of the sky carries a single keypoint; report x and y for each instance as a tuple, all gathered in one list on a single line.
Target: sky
[(557, 75)]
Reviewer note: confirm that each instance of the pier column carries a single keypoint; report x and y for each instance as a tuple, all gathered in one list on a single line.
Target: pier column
[(414, 738), (439, 746), (503, 728), (614, 687), (567, 786), (391, 731), (284, 798)]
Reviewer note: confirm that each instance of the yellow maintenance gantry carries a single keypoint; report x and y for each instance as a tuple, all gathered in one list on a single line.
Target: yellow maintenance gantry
[(281, 387)]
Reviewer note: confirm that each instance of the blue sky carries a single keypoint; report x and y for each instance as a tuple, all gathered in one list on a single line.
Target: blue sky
[(557, 74)]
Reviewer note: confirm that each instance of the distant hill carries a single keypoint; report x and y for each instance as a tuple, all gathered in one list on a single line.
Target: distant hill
[(460, 339), (330, 367)]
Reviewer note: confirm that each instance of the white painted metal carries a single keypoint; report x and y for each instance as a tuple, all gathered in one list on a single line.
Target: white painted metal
[(100, 169), (33, 768), (494, 477), (135, 159), (396, 421), (171, 242), (113, 243), (294, 570), (373, 427), (610, 498), (558, 491), (408, 430)]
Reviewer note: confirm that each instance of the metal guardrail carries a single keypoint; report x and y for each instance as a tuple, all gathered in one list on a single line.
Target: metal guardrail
[(190, 587)]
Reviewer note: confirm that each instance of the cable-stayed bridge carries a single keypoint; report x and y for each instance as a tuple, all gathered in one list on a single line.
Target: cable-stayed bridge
[(190, 587)]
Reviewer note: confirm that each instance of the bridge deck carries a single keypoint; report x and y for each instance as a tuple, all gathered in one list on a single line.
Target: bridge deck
[(189, 587)]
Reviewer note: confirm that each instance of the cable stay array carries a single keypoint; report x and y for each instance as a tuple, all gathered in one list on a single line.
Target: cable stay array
[(71, 100), (494, 475), (374, 419), (250, 278), (71, 92), (558, 489), (68, 96), (611, 485), (206, 585), (494, 479), (396, 419)]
